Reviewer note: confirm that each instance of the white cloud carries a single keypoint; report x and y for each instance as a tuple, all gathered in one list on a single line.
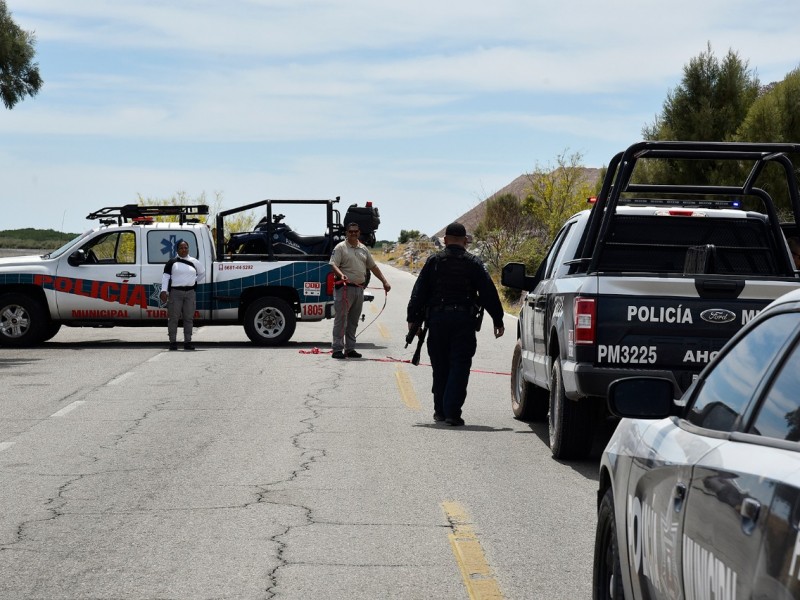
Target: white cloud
[(423, 105)]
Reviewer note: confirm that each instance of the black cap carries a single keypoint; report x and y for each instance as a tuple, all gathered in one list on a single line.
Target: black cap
[(456, 229)]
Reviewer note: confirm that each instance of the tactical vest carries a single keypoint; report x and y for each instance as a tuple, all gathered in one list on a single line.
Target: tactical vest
[(453, 282)]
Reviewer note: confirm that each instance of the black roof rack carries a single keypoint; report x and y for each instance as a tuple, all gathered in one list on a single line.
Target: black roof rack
[(755, 155), (134, 211)]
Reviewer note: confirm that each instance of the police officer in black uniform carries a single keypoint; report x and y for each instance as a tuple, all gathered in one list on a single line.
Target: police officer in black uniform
[(452, 288)]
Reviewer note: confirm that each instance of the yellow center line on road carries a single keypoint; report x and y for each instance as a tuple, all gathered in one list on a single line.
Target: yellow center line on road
[(406, 388), (384, 332), (475, 569)]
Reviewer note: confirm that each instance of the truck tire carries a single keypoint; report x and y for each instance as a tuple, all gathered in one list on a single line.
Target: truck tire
[(51, 330), (607, 573), (570, 420), (269, 321), (23, 320), (528, 401)]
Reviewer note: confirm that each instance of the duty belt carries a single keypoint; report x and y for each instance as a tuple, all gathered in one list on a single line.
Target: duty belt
[(451, 308)]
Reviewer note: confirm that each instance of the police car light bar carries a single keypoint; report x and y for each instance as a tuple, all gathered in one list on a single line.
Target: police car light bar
[(682, 202)]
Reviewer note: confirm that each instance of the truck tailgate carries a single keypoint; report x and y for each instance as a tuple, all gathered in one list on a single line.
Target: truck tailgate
[(664, 323)]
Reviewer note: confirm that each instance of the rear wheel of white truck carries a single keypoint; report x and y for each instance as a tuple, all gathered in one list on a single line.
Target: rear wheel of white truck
[(570, 420), (528, 402), (23, 321), (269, 321)]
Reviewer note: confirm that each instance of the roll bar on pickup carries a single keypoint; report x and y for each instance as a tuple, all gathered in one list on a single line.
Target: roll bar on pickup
[(333, 219), (132, 212), (618, 181)]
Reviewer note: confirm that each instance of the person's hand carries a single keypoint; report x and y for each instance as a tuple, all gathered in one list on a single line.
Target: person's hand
[(386, 286), (163, 296), (499, 331)]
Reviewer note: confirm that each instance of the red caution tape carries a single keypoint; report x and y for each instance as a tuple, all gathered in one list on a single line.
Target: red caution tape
[(389, 359)]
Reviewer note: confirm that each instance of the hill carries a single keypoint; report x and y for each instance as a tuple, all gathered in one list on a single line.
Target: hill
[(519, 188), (38, 239)]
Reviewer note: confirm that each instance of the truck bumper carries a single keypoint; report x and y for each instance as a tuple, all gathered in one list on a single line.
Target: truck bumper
[(584, 379)]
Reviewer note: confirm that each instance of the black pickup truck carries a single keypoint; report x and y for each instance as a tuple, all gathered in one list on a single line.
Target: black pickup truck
[(652, 280)]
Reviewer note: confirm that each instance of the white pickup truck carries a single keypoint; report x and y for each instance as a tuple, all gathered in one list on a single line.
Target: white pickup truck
[(111, 276)]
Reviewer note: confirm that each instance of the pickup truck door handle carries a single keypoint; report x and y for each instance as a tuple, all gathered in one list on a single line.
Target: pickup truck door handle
[(678, 496), (126, 274), (749, 511)]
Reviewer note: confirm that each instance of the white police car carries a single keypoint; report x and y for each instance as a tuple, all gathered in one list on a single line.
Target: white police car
[(700, 499)]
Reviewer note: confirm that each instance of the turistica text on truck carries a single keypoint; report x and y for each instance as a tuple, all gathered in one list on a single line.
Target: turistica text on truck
[(111, 274), (652, 280)]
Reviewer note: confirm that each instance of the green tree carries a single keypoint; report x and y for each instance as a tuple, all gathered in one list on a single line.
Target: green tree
[(775, 117), (505, 228), (711, 101), (19, 75), (709, 104), (407, 235), (555, 194), (244, 221)]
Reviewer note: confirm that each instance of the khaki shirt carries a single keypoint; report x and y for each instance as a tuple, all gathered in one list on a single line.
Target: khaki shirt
[(353, 261)]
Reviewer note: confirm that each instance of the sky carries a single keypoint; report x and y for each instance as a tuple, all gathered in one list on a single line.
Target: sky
[(423, 108)]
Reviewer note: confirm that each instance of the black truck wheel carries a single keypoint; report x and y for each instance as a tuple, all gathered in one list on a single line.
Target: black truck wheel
[(528, 402), (51, 330), (570, 420), (269, 321), (23, 320), (607, 573)]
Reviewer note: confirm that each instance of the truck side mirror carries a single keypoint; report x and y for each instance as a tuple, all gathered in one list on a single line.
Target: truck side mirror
[(641, 398), (513, 276), (77, 258)]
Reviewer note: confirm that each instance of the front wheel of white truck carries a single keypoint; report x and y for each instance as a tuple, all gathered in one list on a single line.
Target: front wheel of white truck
[(269, 321)]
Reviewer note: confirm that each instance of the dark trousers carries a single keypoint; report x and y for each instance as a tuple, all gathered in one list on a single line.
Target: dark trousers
[(451, 346), (348, 301), (180, 305)]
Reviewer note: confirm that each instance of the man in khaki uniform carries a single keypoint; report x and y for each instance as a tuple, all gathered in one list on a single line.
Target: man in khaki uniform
[(350, 261)]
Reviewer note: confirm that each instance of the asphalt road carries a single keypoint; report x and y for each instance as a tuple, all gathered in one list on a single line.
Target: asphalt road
[(127, 471)]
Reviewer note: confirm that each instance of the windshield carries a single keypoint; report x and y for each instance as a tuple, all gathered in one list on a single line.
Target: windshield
[(67, 246)]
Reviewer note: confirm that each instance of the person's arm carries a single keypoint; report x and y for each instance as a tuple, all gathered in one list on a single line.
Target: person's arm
[(334, 263), (201, 270), (419, 295), (164, 287), (490, 300), (377, 272)]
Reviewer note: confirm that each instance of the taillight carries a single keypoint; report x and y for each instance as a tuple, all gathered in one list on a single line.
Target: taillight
[(329, 281), (585, 320), (680, 212)]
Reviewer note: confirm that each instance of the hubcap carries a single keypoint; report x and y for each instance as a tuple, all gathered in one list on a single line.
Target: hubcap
[(518, 382), (555, 409), (270, 322), (14, 321)]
